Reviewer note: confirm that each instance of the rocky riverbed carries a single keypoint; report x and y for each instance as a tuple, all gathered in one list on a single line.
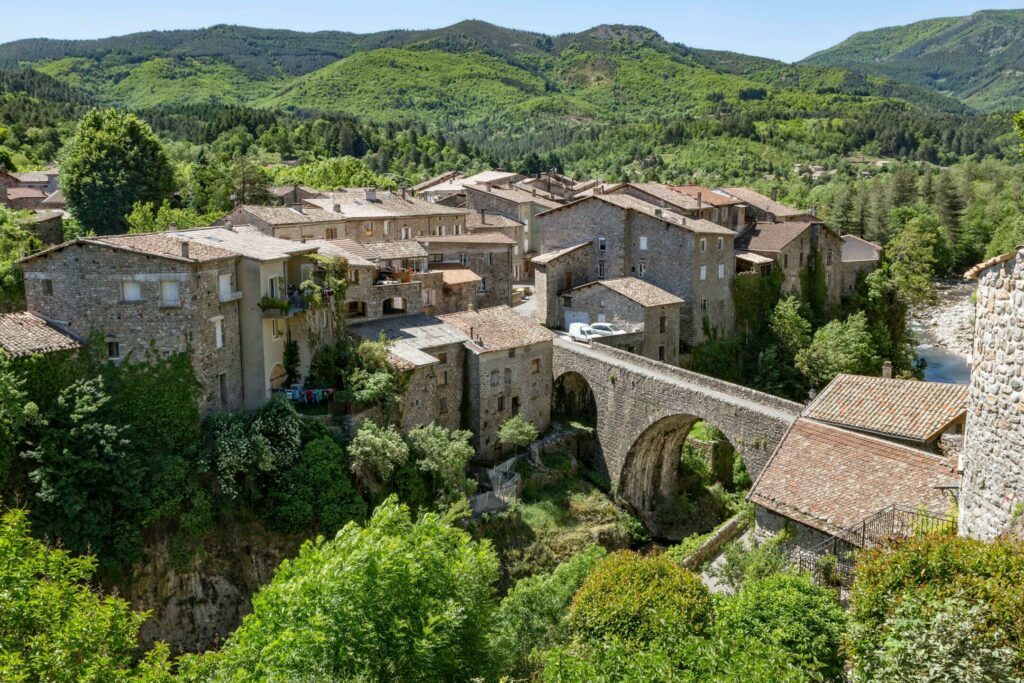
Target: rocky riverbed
[(948, 324)]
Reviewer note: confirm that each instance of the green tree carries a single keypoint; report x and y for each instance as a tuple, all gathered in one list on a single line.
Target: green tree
[(914, 256), (13, 413), (53, 627), (517, 432), (789, 327), (840, 346), (376, 453), (151, 218), (395, 600), (442, 455), (113, 162), (15, 242)]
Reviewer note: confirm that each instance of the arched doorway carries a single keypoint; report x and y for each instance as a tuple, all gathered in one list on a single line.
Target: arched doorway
[(394, 305), (574, 399), (277, 376)]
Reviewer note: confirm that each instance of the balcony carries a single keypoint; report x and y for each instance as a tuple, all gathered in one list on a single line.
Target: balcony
[(283, 308)]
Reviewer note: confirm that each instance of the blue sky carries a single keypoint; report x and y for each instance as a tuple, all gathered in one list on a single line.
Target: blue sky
[(782, 29)]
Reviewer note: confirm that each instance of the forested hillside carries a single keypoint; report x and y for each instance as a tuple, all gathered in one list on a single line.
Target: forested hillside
[(978, 58)]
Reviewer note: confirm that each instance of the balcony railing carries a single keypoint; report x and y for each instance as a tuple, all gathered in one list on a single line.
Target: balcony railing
[(283, 308)]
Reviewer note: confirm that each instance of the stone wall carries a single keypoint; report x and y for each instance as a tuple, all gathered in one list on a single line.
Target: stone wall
[(551, 278), (769, 523), (992, 489), (604, 305), (492, 262), (433, 393)]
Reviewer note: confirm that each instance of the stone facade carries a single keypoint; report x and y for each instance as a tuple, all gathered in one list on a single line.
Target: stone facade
[(491, 261), (434, 392), (520, 209), (48, 226), (992, 490), (559, 272), (80, 286)]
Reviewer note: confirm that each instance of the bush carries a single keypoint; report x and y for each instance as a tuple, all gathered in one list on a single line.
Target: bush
[(640, 600), (741, 564), (533, 616), (442, 455), (934, 569), (789, 611), (376, 453)]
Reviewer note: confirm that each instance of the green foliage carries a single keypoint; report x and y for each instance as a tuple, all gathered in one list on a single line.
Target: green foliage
[(932, 570), (13, 414), (639, 601), (335, 172), (533, 616), (790, 611), (442, 455), (789, 327), (402, 599), (152, 218), (290, 360), (517, 432), (315, 491), (742, 563), (376, 453), (52, 626), (840, 346), (813, 290), (913, 256), (113, 162), (15, 242)]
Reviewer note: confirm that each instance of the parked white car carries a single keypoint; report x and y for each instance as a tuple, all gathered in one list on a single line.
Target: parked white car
[(605, 329), (581, 332)]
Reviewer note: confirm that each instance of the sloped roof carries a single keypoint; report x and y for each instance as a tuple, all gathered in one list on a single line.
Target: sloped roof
[(158, 244), (707, 195), (411, 336), (751, 257), (245, 241), (901, 408), (43, 215), (852, 242), (352, 204), (635, 289), (663, 193), (830, 478), (477, 221), (352, 252), (387, 251), (436, 180), (55, 199), (25, 193), (770, 237), (480, 238), (498, 328), (453, 274), (515, 194), (766, 204), (632, 203), (34, 176), (25, 334), (554, 255), (286, 215)]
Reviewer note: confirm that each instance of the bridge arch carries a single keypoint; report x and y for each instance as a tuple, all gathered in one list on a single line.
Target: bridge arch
[(574, 398)]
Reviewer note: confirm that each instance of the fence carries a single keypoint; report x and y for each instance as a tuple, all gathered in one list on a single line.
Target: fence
[(504, 481)]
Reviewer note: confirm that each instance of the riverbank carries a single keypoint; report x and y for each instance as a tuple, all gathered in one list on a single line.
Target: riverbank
[(945, 330)]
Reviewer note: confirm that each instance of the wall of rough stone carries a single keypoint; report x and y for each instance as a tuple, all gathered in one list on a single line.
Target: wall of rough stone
[(550, 278), (598, 301), (434, 392), (769, 523), (992, 489), (491, 262)]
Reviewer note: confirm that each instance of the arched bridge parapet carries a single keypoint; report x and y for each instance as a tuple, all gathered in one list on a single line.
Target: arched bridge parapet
[(633, 394)]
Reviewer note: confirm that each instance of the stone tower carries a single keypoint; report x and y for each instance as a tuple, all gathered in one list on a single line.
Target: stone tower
[(992, 489)]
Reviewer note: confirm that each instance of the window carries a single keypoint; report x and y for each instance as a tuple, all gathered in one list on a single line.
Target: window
[(721, 243), (714, 215), (353, 276), (222, 383), (275, 287), (131, 291), (483, 285), (602, 244), (515, 405), (387, 227), (443, 229), (113, 350), (368, 228), (703, 272), (785, 260), (430, 297), (828, 279), (721, 270), (218, 331), (801, 259), (567, 301), (406, 233), (511, 353), (224, 286), (47, 286), (464, 259), (435, 258), (643, 269), (703, 304), (275, 328), (490, 259), (662, 324), (169, 293), (508, 376), (643, 243), (494, 378), (442, 405), (661, 353), (828, 257), (331, 233), (703, 244), (533, 391), (535, 365), (443, 378), (501, 404), (600, 268)]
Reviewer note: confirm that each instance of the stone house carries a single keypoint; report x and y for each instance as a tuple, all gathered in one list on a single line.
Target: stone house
[(7, 180), (22, 198), (489, 255), (858, 257), (459, 287), (992, 492), (24, 334), (762, 209), (147, 291), (446, 186), (559, 271), (515, 203), (53, 201), (46, 181), (630, 237), (792, 245), (490, 223), (48, 226), (431, 356), (361, 215), (823, 481), (508, 372), (725, 210), (670, 198), (556, 186), (633, 305), (292, 195)]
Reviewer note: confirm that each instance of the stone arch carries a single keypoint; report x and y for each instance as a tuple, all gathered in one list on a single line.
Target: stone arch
[(396, 305), (650, 472), (574, 398), (277, 376)]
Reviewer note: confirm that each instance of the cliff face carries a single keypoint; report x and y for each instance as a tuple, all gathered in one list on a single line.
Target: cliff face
[(196, 603)]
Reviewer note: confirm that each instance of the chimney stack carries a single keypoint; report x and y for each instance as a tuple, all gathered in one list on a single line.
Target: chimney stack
[(657, 212), (887, 369), (403, 193), (337, 208), (184, 249), (775, 194), (371, 194), (700, 202)]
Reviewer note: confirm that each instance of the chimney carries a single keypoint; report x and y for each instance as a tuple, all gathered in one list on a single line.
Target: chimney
[(483, 216), (700, 202), (337, 208), (887, 369), (371, 194), (657, 212), (184, 249), (403, 193), (775, 194), (813, 211), (535, 192), (172, 226)]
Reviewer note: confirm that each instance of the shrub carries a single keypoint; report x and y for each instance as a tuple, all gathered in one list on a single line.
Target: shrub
[(787, 610), (741, 563), (640, 600), (376, 453), (442, 455), (934, 569)]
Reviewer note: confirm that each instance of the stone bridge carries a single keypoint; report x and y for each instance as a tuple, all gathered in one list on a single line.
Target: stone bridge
[(644, 410)]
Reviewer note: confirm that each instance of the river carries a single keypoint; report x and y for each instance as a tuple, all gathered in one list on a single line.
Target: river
[(946, 332)]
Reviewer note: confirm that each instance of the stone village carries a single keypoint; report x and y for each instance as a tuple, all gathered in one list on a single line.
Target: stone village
[(473, 280)]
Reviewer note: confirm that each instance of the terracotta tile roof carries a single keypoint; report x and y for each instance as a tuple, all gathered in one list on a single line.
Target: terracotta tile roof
[(342, 249), (436, 180), (158, 244), (287, 215), (751, 257), (766, 204), (400, 249), (632, 203), (902, 408), (453, 274), (663, 193), (634, 289), (499, 328), (282, 190), (55, 199), (476, 221), (24, 334), (245, 241), (34, 176), (973, 273), (39, 216), (770, 237), (707, 195), (831, 478), (554, 255), (352, 204), (515, 195), (25, 193), (485, 238)]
